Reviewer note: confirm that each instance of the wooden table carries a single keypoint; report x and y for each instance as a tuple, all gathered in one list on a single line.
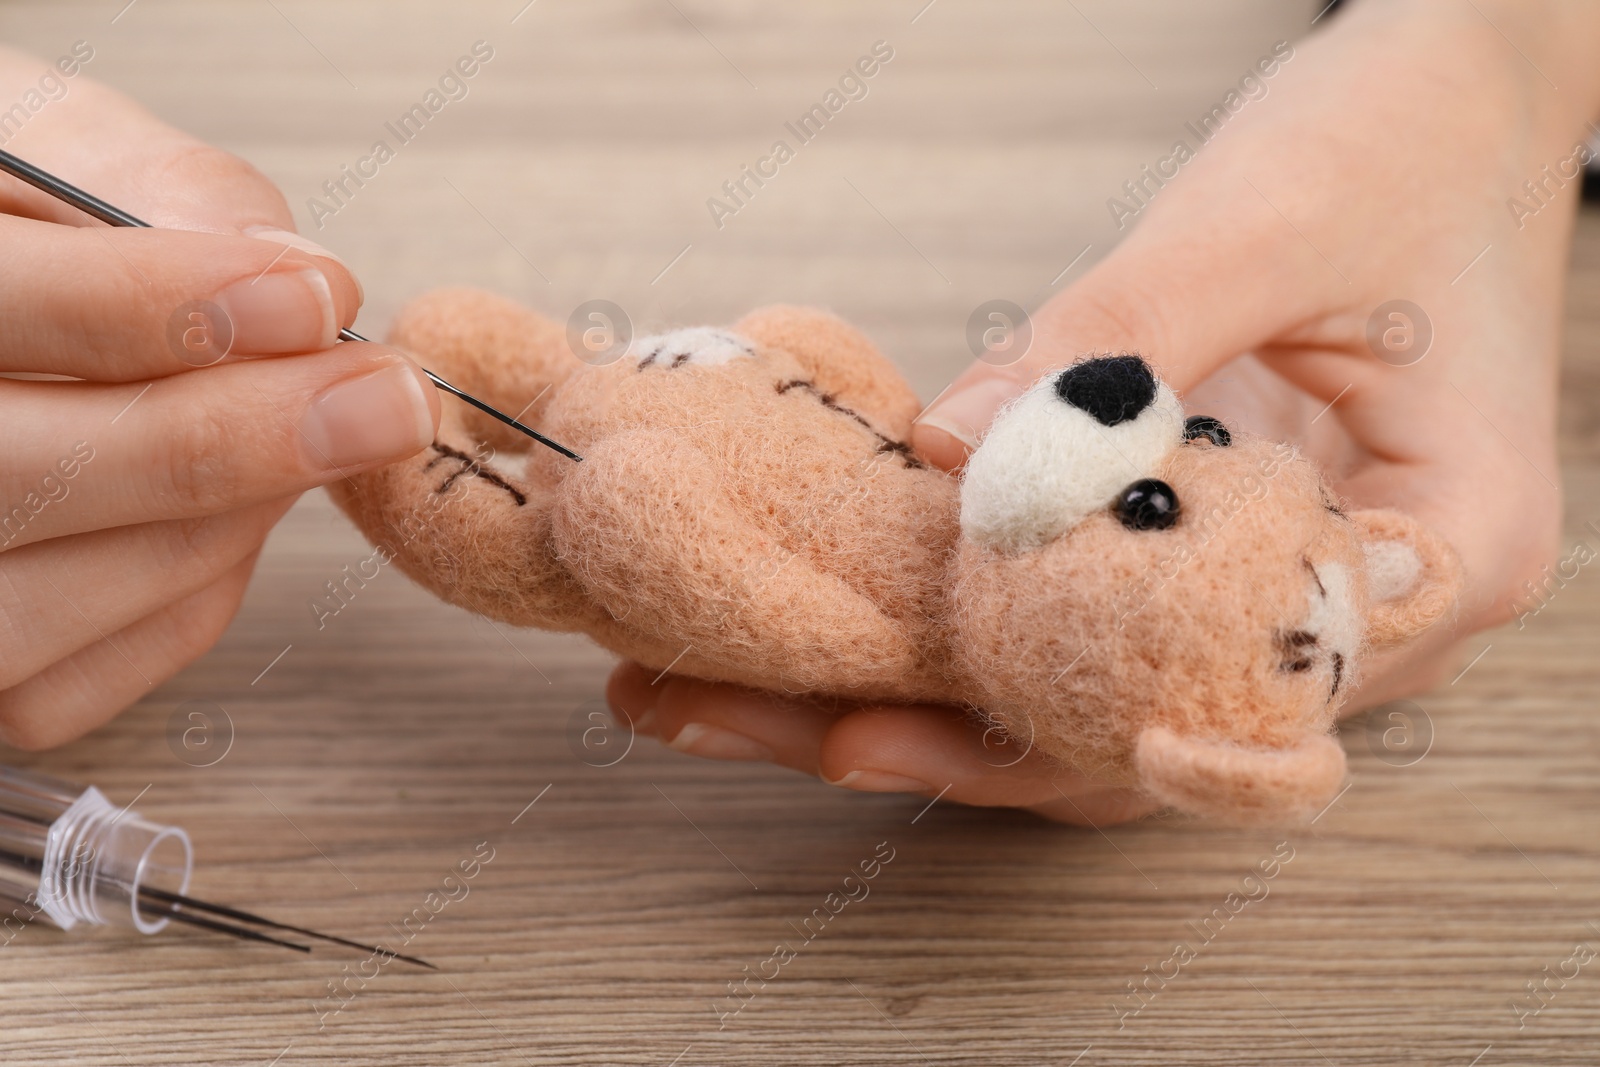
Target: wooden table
[(371, 756)]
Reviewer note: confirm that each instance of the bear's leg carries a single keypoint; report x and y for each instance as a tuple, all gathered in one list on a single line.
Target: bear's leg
[(497, 350), (463, 517), (470, 533)]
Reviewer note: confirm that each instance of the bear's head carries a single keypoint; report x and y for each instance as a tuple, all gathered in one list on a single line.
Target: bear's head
[(1173, 604)]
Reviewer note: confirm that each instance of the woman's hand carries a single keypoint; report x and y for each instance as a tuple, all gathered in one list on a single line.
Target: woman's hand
[(1378, 168), (136, 497)]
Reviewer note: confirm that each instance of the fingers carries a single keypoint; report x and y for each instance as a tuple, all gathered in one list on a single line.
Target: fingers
[(941, 752), (719, 721), (1106, 312), (108, 145), (104, 143), (204, 443), (1226, 254), (62, 595), (87, 689), (931, 751), (127, 305), (1186, 299)]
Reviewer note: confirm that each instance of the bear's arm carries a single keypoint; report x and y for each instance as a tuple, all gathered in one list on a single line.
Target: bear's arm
[(645, 524)]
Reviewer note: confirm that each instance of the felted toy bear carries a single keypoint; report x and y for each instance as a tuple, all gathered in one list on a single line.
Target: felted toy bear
[(1152, 600)]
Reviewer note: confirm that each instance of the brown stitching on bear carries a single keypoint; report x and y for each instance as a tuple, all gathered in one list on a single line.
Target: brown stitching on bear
[(1315, 577), (829, 401), (1291, 644), (477, 469), (901, 449), (678, 360)]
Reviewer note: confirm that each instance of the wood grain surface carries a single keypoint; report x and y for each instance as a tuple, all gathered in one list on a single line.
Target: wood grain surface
[(367, 758)]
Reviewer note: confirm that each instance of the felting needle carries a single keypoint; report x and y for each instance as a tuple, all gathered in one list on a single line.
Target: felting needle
[(171, 911), (176, 899), (93, 206), (182, 909)]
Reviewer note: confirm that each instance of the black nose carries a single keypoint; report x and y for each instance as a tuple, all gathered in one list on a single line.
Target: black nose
[(1111, 388)]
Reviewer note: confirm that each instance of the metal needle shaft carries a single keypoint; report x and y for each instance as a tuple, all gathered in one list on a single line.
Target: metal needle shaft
[(175, 899), (92, 205), (171, 911)]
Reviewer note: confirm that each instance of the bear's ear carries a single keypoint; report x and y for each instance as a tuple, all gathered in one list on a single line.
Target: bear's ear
[(1413, 576), (1236, 784)]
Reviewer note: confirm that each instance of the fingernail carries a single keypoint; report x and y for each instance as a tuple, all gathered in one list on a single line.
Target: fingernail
[(966, 412), (281, 311), (382, 415), (646, 723), (304, 244), (293, 240), (879, 782), (713, 742)]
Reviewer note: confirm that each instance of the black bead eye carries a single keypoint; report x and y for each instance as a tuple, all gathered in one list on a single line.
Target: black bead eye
[(1206, 426), (1148, 504)]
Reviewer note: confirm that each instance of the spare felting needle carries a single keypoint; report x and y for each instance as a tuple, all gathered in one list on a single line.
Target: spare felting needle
[(93, 206), (26, 904), (172, 911), (69, 856), (174, 899), (16, 863)]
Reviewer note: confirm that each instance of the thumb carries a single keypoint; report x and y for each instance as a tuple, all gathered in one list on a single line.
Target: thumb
[(1188, 297)]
